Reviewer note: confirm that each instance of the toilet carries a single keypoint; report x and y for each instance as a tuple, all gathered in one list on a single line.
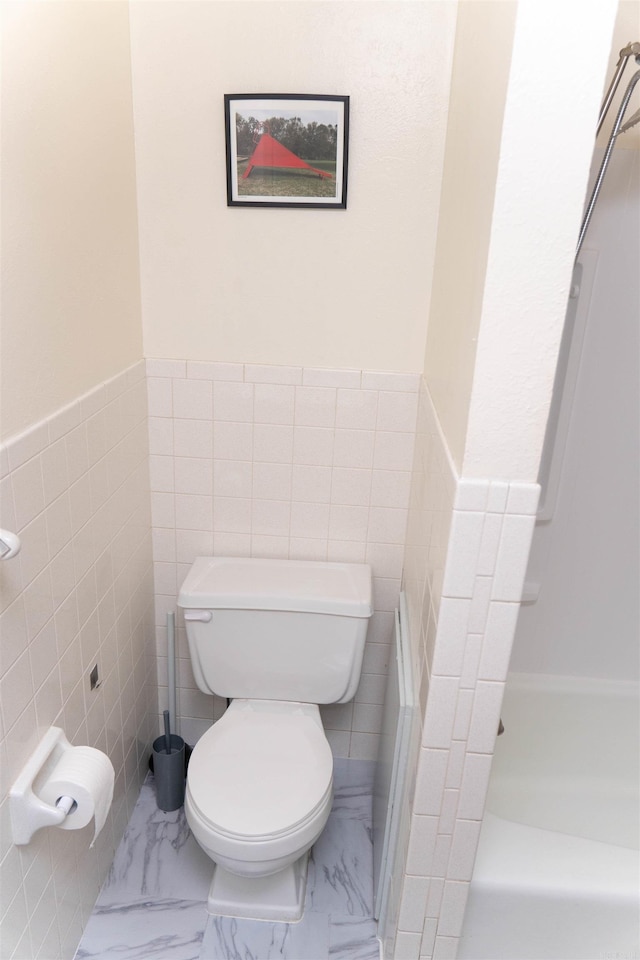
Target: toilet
[(277, 638)]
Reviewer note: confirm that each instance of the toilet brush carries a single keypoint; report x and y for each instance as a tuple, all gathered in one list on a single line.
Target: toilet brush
[(167, 732), (170, 714)]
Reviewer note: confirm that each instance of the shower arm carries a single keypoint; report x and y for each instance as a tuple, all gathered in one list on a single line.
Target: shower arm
[(607, 155), (631, 50)]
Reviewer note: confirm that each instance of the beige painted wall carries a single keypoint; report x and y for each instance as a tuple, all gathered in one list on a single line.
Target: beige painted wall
[(507, 228), (536, 216), (319, 288), (484, 37), (70, 285)]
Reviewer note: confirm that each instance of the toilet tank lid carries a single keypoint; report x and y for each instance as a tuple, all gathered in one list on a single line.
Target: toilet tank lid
[(306, 586)]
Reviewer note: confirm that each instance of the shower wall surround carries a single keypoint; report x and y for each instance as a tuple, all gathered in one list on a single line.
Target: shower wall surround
[(466, 554), (75, 487), (281, 461)]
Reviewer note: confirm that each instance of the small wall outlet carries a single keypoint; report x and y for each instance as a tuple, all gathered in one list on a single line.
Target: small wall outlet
[(93, 678)]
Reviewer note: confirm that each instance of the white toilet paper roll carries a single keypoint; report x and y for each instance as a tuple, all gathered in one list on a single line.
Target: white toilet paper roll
[(86, 775)]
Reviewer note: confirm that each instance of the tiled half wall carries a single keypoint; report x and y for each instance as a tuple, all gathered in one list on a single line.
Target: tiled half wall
[(75, 488), (467, 547), (279, 461)]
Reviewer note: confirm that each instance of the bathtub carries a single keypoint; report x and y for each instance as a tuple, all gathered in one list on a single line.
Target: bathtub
[(557, 874)]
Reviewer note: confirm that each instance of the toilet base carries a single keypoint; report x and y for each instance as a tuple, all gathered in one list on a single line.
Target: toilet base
[(279, 897)]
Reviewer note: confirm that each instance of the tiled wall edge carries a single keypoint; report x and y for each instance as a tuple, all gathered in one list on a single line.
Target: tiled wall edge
[(75, 487), (465, 620), (283, 374), (17, 449)]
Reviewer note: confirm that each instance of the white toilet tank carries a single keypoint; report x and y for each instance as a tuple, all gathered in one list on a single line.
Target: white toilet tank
[(277, 629)]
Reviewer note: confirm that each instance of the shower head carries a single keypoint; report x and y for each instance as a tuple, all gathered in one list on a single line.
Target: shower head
[(631, 122)]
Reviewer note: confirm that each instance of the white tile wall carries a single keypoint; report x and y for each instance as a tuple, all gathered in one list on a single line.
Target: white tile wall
[(465, 557), (75, 487), (274, 461)]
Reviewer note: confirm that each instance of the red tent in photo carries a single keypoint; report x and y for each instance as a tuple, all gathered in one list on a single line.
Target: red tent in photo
[(270, 153)]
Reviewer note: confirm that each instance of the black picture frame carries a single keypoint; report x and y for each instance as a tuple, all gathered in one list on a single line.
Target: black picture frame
[(270, 139)]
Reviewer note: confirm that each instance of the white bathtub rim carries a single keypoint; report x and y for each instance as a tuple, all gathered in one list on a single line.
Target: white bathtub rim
[(563, 683), (514, 855)]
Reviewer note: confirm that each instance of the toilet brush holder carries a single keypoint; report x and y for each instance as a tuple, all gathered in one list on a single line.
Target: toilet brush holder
[(168, 771)]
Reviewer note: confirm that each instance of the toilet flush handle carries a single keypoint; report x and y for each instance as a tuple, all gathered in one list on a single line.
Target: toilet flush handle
[(202, 615)]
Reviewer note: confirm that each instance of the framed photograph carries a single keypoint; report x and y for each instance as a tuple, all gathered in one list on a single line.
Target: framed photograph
[(286, 150)]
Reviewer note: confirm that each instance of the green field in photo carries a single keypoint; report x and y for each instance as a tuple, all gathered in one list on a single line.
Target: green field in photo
[(269, 182)]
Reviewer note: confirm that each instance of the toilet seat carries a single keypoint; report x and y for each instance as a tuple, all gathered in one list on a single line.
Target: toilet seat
[(262, 773)]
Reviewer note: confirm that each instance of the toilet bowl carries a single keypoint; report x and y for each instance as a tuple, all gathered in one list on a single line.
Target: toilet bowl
[(258, 796), (277, 638)]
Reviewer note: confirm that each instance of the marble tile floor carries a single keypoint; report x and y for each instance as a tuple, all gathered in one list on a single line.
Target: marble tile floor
[(153, 903)]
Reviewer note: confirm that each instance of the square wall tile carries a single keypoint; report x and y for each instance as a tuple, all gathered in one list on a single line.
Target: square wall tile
[(270, 518), (387, 525), (191, 475), (190, 544), (385, 559), (350, 486), (193, 438), (348, 523), (274, 403), (313, 446), (311, 484), (271, 481), (273, 443), (233, 401), (397, 411), (390, 488), (353, 448), (193, 399), (232, 478), (232, 440), (357, 409), (231, 515), (471, 495), (363, 746), (393, 451), (193, 512), (315, 406)]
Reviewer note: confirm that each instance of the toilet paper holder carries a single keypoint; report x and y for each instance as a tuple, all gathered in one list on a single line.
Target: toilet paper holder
[(28, 811)]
